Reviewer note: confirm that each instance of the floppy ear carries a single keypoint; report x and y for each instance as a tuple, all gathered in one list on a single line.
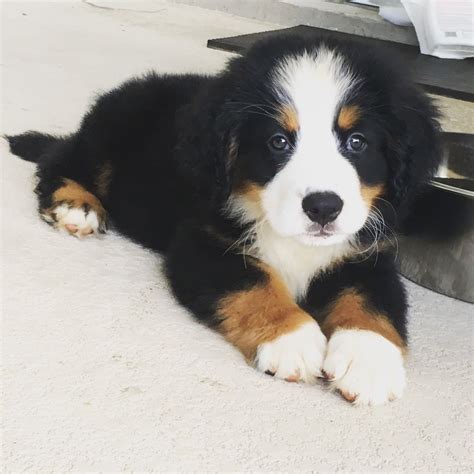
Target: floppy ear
[(207, 145), (414, 147)]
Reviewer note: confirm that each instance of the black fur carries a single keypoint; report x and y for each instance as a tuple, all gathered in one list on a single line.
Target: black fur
[(169, 140), (31, 145)]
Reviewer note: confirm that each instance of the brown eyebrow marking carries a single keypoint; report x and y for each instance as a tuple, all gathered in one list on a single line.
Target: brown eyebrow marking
[(348, 116), (288, 118)]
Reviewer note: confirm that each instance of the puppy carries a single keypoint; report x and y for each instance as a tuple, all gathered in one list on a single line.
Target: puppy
[(272, 190)]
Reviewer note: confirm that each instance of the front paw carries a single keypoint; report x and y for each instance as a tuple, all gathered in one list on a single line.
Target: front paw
[(295, 356), (364, 367)]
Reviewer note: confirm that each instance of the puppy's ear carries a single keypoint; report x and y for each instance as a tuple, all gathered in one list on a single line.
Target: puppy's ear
[(414, 146), (207, 145)]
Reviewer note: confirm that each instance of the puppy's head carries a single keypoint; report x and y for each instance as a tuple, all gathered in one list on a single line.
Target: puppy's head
[(320, 139)]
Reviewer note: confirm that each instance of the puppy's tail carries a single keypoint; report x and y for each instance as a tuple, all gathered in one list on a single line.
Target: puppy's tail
[(31, 145)]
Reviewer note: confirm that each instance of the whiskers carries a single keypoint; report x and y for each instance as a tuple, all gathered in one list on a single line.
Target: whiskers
[(379, 231), (245, 244)]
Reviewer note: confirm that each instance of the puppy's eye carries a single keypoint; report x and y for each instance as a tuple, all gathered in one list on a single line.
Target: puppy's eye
[(278, 143), (357, 142)]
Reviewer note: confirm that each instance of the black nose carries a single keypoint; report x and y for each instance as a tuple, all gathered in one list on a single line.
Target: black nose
[(322, 207)]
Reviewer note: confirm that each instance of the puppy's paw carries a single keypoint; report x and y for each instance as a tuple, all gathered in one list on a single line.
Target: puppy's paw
[(82, 221), (295, 356), (364, 367)]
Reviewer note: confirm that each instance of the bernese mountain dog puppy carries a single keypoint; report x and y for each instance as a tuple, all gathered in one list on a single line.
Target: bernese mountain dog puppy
[(272, 189)]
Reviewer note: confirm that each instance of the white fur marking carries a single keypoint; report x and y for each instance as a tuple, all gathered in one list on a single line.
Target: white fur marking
[(315, 85), (296, 263), (297, 355), (366, 365), (83, 223)]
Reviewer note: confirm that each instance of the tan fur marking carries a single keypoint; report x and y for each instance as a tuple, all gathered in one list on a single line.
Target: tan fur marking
[(261, 314), (103, 179), (349, 312), (289, 118), (348, 116), (73, 193), (250, 197), (371, 193), (253, 192)]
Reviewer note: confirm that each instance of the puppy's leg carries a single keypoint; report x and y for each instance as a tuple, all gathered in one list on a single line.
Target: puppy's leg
[(248, 303), (272, 332), (73, 184), (71, 174), (67, 205), (365, 327)]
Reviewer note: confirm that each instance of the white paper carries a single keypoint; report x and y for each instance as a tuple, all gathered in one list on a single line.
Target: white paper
[(444, 27)]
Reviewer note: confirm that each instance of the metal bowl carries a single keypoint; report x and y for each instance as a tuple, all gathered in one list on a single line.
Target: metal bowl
[(437, 242)]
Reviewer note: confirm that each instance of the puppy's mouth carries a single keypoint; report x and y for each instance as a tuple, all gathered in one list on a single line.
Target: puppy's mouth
[(317, 230), (317, 235), (320, 233)]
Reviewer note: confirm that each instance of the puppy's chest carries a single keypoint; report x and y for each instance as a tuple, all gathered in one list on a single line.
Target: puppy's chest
[(296, 263)]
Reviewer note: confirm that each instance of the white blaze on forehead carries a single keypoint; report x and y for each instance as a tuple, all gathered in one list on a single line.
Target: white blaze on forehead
[(315, 84), (312, 87)]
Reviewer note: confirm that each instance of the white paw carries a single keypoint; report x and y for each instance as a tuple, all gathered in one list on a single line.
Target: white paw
[(295, 356), (365, 367), (78, 221)]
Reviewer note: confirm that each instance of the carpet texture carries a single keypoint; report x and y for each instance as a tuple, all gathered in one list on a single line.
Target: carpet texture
[(102, 370)]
